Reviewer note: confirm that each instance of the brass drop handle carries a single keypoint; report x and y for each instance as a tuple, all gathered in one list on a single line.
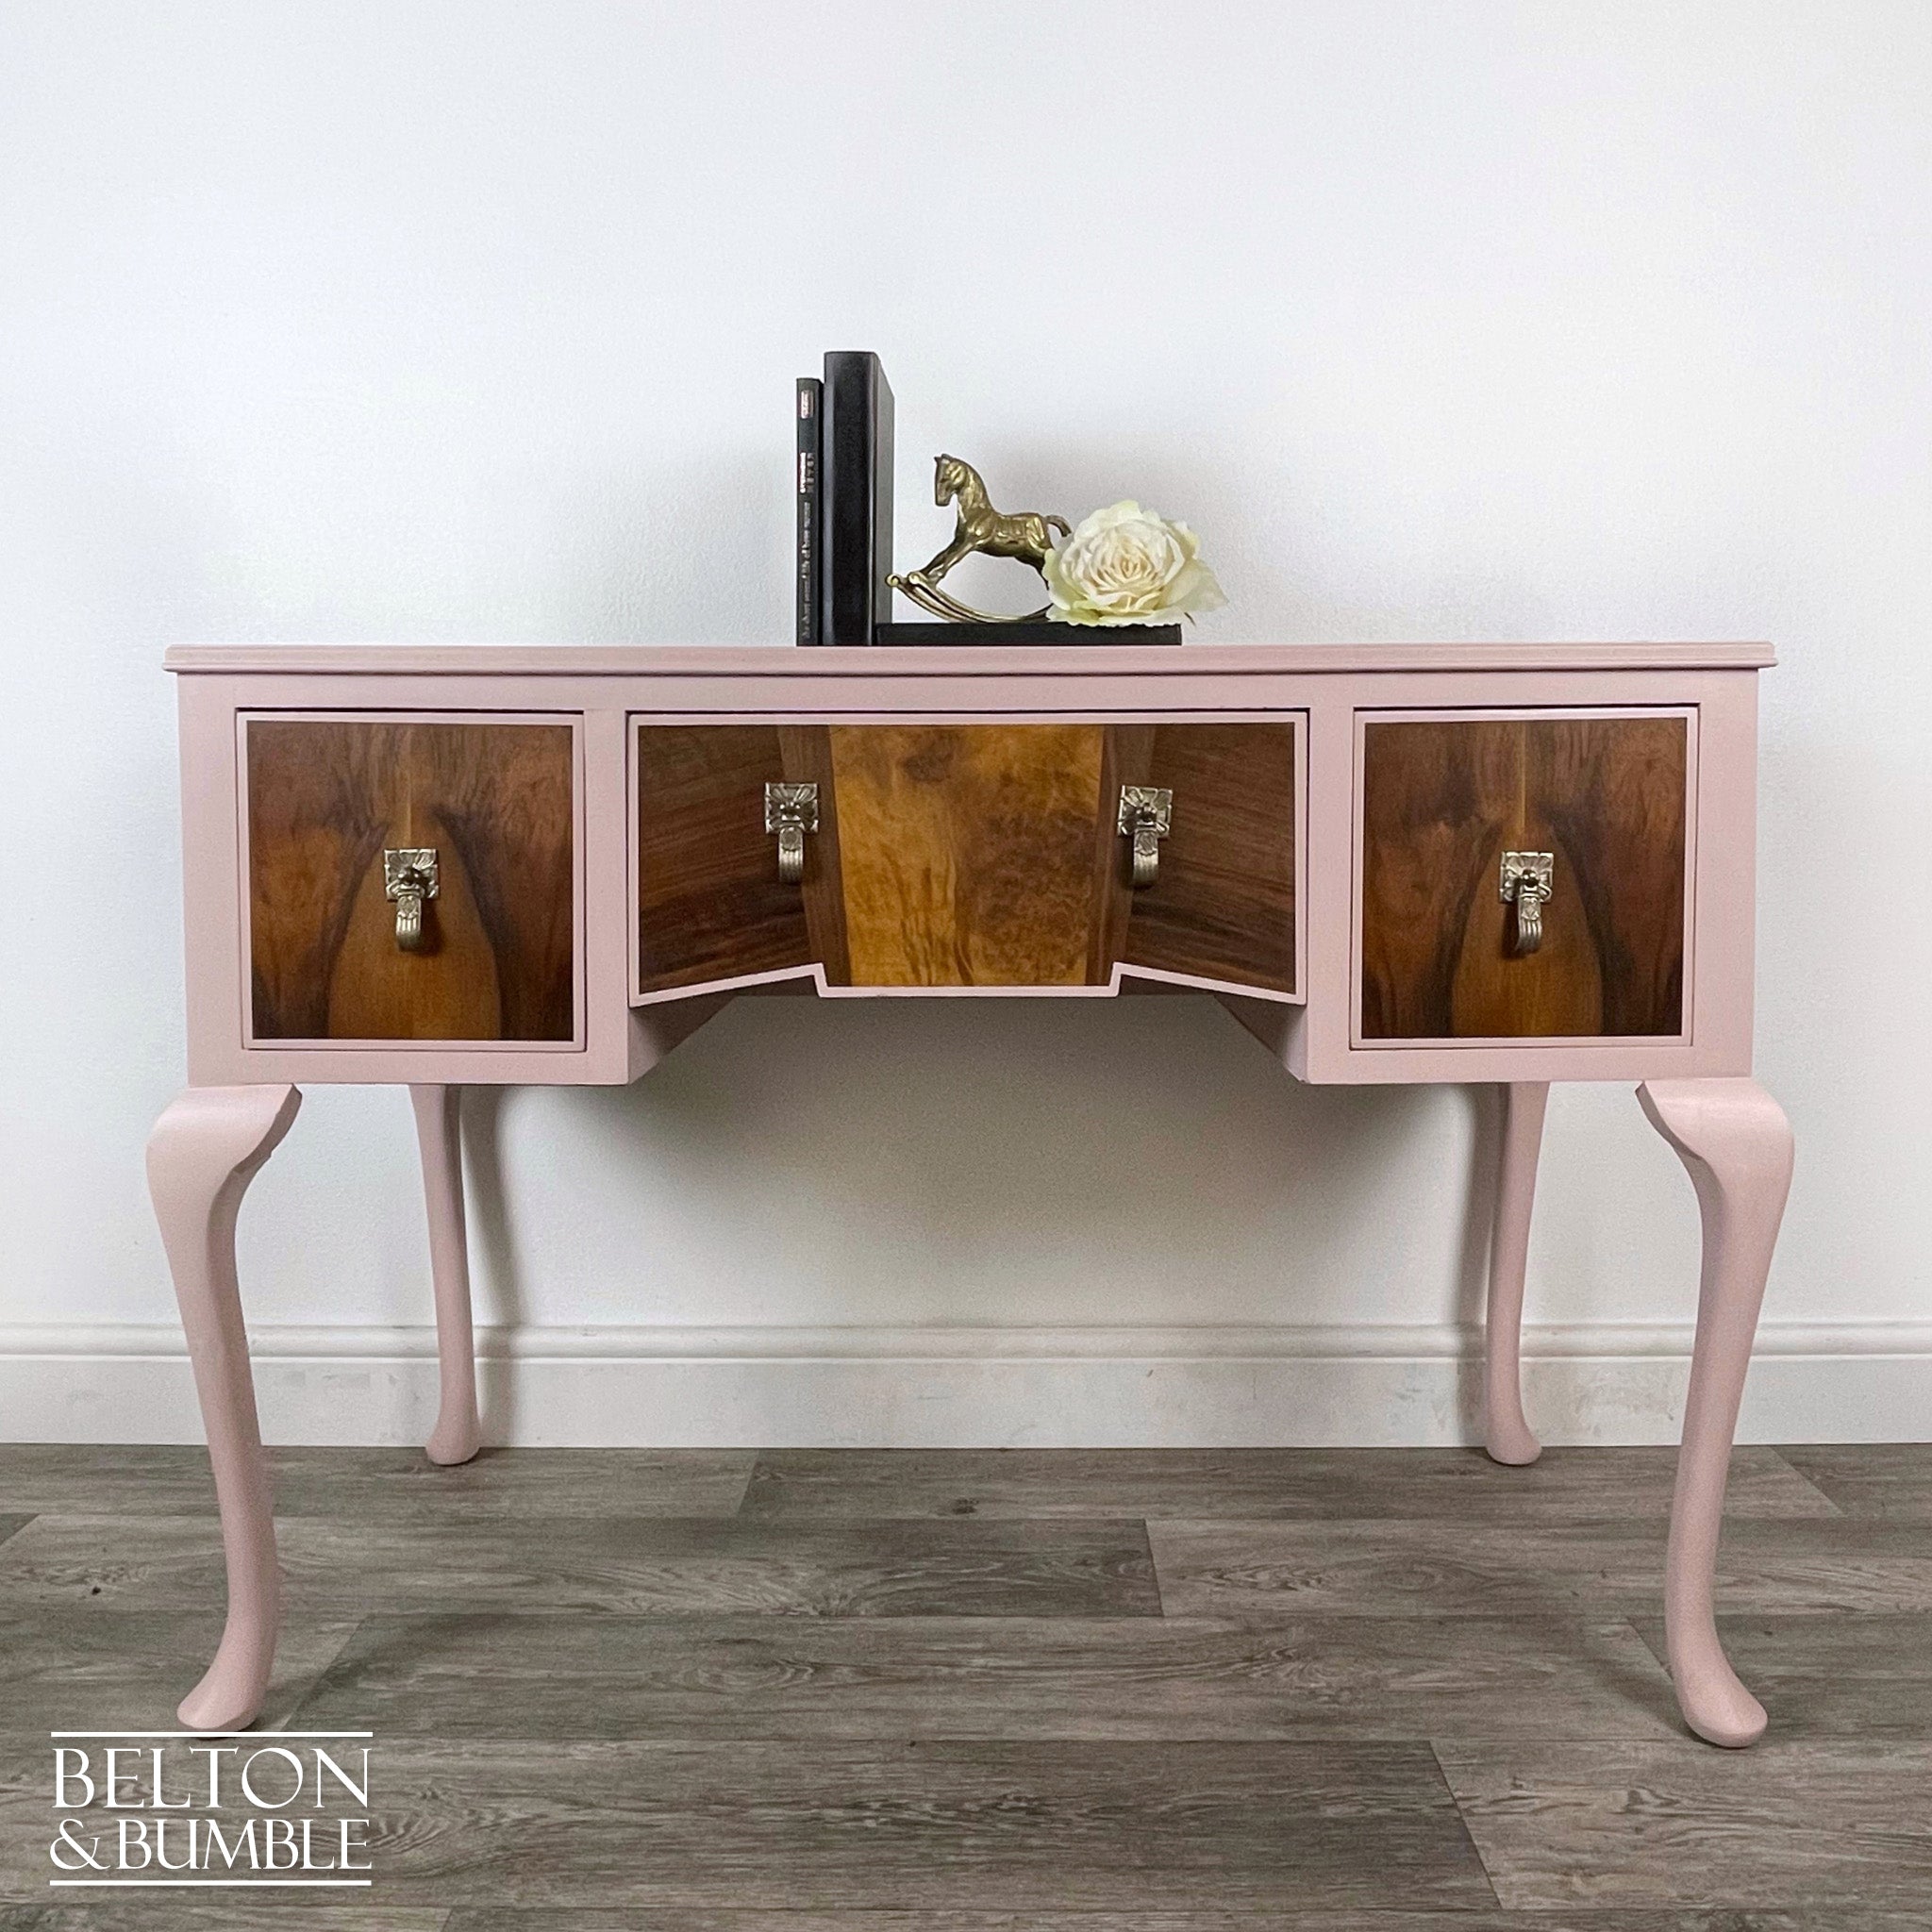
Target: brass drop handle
[(792, 812), (1146, 812), (409, 878), (1526, 884)]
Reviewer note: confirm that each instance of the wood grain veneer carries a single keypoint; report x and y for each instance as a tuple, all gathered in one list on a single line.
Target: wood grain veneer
[(711, 904), (968, 852), (326, 796), (1222, 906), (1443, 799)]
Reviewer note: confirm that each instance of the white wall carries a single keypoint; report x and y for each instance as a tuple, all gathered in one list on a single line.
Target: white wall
[(479, 320)]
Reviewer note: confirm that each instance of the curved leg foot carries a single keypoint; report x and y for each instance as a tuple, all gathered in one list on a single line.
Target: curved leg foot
[(1507, 1432), (457, 1434), (1736, 1144), (203, 1152)]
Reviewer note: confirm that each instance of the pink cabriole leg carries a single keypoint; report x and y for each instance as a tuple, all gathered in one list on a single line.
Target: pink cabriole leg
[(1736, 1144), (203, 1152), (439, 1133), (1506, 1429)]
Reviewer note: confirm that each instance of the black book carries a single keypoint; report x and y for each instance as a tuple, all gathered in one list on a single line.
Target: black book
[(855, 497), (810, 587)]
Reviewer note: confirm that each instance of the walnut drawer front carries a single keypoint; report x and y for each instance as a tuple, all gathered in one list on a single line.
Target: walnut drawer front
[(963, 855), (493, 798), (1443, 799)]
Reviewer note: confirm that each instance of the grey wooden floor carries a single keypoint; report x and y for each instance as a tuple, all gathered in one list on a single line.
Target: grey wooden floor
[(1020, 1692)]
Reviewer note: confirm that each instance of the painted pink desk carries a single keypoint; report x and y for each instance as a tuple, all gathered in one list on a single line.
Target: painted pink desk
[(427, 867)]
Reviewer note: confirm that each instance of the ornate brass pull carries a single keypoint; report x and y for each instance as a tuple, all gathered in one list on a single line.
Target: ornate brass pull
[(792, 812), (1526, 884), (409, 876), (1145, 815)]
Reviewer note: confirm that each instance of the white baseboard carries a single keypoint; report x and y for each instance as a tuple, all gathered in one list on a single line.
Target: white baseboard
[(938, 1388)]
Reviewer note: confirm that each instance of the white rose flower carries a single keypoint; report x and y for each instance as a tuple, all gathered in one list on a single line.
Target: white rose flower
[(1126, 565)]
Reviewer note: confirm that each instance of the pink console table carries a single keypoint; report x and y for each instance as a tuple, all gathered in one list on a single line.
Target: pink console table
[(427, 867)]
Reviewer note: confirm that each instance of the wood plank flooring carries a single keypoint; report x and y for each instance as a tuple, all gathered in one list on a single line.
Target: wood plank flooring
[(1021, 1691)]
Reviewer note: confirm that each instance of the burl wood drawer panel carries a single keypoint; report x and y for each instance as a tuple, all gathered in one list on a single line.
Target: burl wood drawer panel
[(966, 854), (1444, 798), (1224, 906), (495, 800)]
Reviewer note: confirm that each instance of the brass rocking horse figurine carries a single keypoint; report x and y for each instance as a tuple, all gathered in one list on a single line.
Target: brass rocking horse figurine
[(1025, 534)]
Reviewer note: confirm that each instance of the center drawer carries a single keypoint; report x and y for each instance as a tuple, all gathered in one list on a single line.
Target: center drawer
[(967, 856)]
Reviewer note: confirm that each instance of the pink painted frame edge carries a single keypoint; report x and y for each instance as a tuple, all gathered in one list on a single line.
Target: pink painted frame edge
[(920, 663)]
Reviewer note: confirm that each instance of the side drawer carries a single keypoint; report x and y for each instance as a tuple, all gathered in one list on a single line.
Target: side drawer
[(1605, 798), (494, 798)]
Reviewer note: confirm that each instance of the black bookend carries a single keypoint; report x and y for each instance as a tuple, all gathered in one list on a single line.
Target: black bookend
[(855, 497), (811, 584)]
